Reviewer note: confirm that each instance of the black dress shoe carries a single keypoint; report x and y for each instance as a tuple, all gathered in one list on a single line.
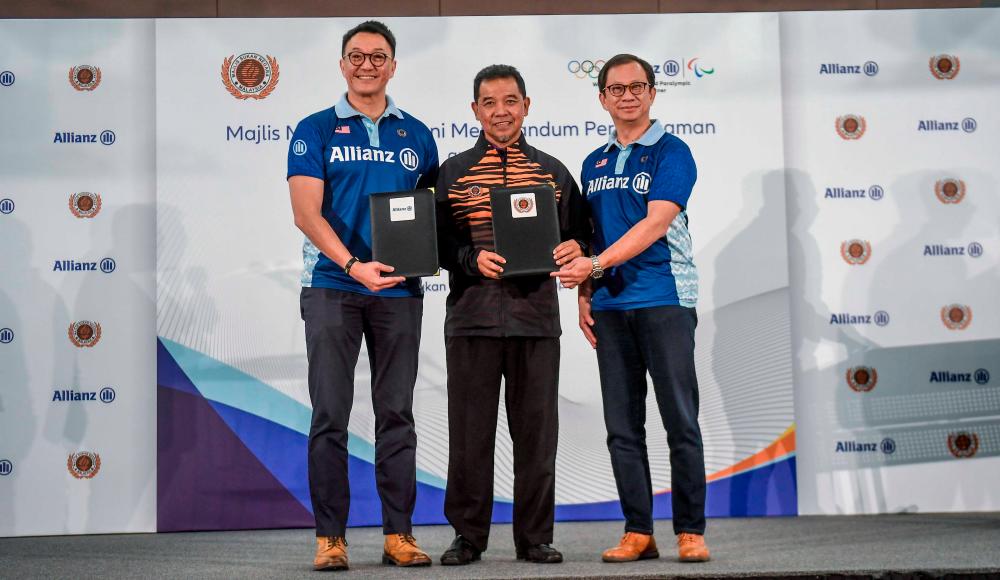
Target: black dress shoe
[(540, 554), (460, 553)]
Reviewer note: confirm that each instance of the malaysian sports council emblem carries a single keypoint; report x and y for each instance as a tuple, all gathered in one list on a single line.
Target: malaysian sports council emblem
[(944, 66), (851, 127), (84, 77), (950, 190), (85, 204), (250, 75), (856, 252), (862, 379), (956, 316), (83, 464), (84, 334), (963, 444)]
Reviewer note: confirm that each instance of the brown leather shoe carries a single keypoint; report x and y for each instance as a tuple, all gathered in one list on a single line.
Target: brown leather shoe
[(402, 550), (331, 553), (632, 547), (692, 548)]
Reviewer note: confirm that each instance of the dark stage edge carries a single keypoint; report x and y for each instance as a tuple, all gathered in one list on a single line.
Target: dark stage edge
[(892, 546)]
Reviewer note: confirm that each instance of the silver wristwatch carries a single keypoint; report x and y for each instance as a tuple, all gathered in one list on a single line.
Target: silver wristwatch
[(597, 271)]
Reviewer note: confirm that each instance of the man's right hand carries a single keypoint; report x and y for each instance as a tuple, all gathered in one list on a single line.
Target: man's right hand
[(490, 264), (370, 274)]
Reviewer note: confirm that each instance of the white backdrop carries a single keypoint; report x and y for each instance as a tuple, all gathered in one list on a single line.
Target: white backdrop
[(40, 425), (241, 234), (744, 91), (907, 416)]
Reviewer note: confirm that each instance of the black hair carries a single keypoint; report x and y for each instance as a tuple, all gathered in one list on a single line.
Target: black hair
[(375, 27), (620, 59), (497, 71)]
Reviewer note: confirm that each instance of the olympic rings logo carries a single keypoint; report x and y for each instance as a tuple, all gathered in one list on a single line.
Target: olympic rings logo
[(582, 69)]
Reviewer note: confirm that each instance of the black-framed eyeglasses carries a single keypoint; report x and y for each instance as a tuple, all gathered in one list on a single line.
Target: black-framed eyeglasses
[(357, 58), (635, 88)]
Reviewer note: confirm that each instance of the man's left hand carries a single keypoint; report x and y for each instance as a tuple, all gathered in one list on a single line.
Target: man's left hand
[(566, 251)]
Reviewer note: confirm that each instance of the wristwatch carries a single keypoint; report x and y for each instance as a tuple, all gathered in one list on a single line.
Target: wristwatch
[(347, 266), (597, 271)]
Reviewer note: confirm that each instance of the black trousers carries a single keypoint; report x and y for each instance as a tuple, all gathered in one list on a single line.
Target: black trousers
[(335, 322), (531, 369)]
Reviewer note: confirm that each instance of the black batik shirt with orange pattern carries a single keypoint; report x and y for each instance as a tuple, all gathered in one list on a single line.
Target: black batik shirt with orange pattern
[(517, 306)]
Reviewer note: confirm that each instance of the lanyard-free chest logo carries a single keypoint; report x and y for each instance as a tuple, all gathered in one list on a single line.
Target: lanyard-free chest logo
[(641, 183)]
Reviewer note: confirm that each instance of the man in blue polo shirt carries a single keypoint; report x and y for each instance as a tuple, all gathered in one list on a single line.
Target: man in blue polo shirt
[(337, 158), (637, 298)]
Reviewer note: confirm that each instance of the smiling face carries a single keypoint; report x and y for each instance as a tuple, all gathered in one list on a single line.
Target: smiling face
[(367, 80), (628, 108), (501, 109)]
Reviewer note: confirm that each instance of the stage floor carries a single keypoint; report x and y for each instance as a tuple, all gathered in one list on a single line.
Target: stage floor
[(896, 546)]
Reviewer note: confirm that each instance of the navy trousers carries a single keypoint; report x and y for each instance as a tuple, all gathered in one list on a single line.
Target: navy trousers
[(660, 341)]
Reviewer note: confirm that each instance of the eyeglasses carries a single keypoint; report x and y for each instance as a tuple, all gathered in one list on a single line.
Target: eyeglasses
[(635, 88), (357, 58)]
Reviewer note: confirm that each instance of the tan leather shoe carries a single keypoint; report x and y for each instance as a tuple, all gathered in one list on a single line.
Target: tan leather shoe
[(632, 547), (331, 553), (692, 548), (402, 550)]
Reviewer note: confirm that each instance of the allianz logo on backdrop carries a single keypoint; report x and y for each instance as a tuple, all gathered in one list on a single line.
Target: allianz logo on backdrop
[(887, 446), (973, 250), (7, 78), (107, 395), (979, 376), (105, 137), (6, 206), (968, 125), (106, 265), (6, 467), (874, 193), (869, 68), (879, 318)]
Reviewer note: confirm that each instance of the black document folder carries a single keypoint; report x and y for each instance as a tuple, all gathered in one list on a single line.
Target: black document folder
[(404, 232), (525, 228)]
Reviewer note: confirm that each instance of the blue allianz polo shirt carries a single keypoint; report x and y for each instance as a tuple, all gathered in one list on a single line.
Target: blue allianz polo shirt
[(619, 181), (356, 157)]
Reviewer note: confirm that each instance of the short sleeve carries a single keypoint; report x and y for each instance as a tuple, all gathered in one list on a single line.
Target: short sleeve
[(675, 174), (305, 152)]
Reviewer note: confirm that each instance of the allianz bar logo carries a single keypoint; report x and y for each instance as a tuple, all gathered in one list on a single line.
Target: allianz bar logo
[(979, 376), (874, 192), (972, 250), (106, 265), (887, 446), (879, 318), (968, 125), (868, 69), (107, 395), (105, 137)]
